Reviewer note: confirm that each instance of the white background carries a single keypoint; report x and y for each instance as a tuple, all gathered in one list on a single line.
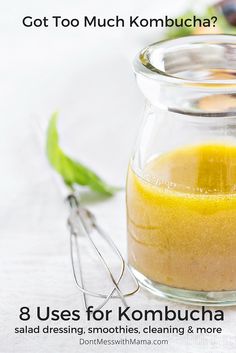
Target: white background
[(87, 76)]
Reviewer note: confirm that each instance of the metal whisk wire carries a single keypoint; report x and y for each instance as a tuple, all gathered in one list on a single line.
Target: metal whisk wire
[(88, 224)]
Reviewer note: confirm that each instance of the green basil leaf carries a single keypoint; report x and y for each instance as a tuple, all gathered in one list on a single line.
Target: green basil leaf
[(72, 171), (210, 11)]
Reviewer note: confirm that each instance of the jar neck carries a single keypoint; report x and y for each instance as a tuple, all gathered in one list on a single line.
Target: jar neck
[(188, 100), (193, 75)]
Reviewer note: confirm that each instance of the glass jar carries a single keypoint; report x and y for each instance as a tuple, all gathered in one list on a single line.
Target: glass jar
[(181, 184)]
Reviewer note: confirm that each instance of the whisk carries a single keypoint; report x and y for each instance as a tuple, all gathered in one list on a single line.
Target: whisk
[(82, 221)]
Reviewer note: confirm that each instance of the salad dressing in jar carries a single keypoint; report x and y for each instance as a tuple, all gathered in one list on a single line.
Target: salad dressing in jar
[(181, 184)]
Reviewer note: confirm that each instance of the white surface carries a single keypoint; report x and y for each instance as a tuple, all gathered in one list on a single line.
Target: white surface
[(87, 76)]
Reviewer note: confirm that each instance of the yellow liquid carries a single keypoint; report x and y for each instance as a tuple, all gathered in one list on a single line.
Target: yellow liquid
[(182, 218)]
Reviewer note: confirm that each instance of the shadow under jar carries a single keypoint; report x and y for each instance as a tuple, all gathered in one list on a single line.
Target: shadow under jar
[(181, 184)]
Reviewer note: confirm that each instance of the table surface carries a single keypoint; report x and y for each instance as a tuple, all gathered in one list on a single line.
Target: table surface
[(87, 77)]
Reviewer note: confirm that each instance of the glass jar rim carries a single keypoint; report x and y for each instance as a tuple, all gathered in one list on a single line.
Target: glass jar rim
[(143, 64)]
